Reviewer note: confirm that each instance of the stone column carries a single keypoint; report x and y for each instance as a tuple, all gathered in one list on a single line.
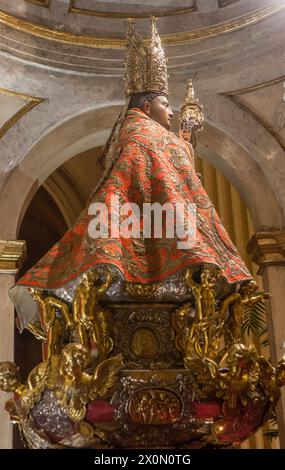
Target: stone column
[(267, 249), (12, 255)]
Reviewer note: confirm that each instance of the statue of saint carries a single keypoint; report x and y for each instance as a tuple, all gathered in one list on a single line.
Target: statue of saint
[(146, 168), (139, 304)]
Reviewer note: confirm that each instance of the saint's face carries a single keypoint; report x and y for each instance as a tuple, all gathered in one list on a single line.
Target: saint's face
[(160, 111)]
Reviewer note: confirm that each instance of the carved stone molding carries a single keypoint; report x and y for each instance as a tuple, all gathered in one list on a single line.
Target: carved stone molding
[(43, 3), (12, 255), (237, 95), (29, 102), (267, 248), (225, 3), (181, 37), (132, 13)]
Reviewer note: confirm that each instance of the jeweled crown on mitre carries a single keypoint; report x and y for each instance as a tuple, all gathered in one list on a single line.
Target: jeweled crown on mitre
[(145, 62)]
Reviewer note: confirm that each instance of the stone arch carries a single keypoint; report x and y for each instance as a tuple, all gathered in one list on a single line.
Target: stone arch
[(235, 162), (71, 184), (82, 132), (91, 128)]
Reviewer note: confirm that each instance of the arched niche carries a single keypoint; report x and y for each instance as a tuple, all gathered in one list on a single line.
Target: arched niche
[(91, 129), (78, 134), (236, 164)]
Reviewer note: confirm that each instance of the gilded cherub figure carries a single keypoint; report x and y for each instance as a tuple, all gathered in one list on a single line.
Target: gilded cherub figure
[(72, 386), (201, 333), (27, 394), (53, 327), (75, 386), (182, 326), (209, 275), (91, 320), (242, 377)]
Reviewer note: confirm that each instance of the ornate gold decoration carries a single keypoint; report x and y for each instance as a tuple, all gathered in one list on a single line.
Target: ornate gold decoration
[(145, 63), (72, 385), (246, 297), (267, 248), (37, 330), (91, 320), (12, 255), (75, 388), (32, 102), (191, 115), (142, 290), (47, 33), (214, 319), (88, 320), (205, 331), (235, 97), (181, 323), (143, 333), (30, 393), (144, 343), (190, 373), (247, 379), (149, 403), (155, 406), (52, 326), (65, 374), (117, 43), (43, 3), (108, 14)]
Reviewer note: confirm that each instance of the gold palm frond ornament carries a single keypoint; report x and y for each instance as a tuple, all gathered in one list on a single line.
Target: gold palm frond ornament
[(145, 62)]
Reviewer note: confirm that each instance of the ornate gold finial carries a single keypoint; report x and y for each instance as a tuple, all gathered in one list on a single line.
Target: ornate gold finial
[(191, 114), (145, 63)]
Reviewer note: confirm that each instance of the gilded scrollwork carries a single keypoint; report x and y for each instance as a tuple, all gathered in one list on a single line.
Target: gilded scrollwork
[(185, 368), (206, 398), (214, 339), (142, 290), (142, 331), (216, 321), (247, 378)]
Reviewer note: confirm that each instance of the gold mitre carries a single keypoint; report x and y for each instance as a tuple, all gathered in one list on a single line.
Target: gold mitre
[(145, 62)]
